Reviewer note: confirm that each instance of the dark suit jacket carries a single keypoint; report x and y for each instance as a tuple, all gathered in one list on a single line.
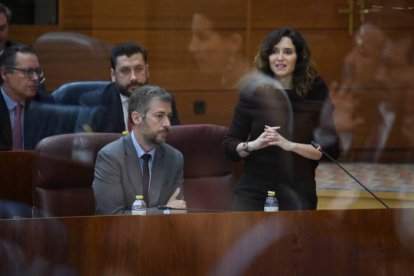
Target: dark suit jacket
[(102, 111), (118, 178), (397, 146), (29, 121)]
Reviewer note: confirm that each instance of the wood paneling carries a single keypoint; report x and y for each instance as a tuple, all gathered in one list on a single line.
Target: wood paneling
[(219, 106), (341, 242), (300, 14), (28, 34), (16, 176), (167, 15), (75, 15)]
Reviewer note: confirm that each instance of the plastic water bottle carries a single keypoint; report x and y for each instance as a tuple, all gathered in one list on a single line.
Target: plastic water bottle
[(271, 203), (138, 206)]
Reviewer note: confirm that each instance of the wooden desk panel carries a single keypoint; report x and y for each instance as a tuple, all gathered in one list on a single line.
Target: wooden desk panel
[(16, 176), (347, 242)]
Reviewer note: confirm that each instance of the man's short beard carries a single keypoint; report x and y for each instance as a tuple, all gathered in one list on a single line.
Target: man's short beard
[(124, 90), (152, 140)]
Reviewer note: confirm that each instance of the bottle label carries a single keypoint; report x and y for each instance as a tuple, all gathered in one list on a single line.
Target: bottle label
[(139, 212), (271, 208)]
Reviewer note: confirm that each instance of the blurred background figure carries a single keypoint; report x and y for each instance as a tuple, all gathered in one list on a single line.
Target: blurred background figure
[(363, 107), (362, 62), (219, 54), (5, 17), (396, 72)]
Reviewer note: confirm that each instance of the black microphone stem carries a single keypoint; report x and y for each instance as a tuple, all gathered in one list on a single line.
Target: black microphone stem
[(164, 207), (318, 147)]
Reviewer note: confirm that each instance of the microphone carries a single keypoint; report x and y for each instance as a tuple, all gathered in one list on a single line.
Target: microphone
[(166, 208), (318, 147)]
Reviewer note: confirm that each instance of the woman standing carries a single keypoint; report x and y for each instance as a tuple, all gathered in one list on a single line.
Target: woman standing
[(275, 120)]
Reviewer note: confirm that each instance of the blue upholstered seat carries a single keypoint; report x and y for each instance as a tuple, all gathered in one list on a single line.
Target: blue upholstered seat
[(69, 93)]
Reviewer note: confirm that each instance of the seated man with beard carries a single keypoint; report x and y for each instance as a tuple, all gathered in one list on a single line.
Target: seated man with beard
[(141, 163), (106, 109)]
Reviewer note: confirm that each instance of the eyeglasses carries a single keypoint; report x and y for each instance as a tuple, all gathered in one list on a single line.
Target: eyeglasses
[(29, 72)]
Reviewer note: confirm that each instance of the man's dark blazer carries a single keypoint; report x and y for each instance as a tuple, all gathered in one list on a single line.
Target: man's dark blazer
[(365, 146), (118, 177), (102, 111), (29, 121)]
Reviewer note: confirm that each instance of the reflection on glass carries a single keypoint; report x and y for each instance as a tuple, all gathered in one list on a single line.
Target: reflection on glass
[(374, 115), (216, 46), (375, 76)]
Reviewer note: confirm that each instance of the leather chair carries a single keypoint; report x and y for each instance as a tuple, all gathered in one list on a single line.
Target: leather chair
[(209, 177), (63, 173), (69, 93), (68, 57)]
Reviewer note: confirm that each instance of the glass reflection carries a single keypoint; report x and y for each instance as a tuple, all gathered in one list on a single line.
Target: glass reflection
[(212, 50), (216, 46)]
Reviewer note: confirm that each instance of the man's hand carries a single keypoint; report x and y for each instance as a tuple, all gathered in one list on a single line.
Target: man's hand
[(345, 104), (173, 202)]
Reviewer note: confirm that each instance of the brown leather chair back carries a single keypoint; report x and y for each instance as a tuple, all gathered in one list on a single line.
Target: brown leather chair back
[(209, 177), (69, 57), (63, 173)]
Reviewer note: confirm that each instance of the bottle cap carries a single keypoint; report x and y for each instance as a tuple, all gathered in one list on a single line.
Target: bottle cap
[(139, 197), (271, 193)]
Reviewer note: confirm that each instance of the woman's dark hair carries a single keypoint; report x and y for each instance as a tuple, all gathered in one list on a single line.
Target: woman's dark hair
[(304, 72), (7, 12)]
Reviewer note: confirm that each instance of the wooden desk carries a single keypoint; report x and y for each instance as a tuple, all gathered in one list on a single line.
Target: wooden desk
[(16, 169), (344, 242)]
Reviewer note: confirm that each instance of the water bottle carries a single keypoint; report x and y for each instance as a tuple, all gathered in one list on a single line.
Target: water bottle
[(271, 203), (138, 206)]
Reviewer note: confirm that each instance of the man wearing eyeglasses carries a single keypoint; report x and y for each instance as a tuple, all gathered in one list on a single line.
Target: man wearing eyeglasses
[(20, 74), (106, 109)]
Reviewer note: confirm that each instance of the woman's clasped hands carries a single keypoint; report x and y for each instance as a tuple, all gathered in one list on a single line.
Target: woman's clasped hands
[(274, 138), (271, 137)]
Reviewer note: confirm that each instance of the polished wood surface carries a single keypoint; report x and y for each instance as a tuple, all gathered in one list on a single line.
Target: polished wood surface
[(342, 242), (76, 15), (16, 169), (218, 106)]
